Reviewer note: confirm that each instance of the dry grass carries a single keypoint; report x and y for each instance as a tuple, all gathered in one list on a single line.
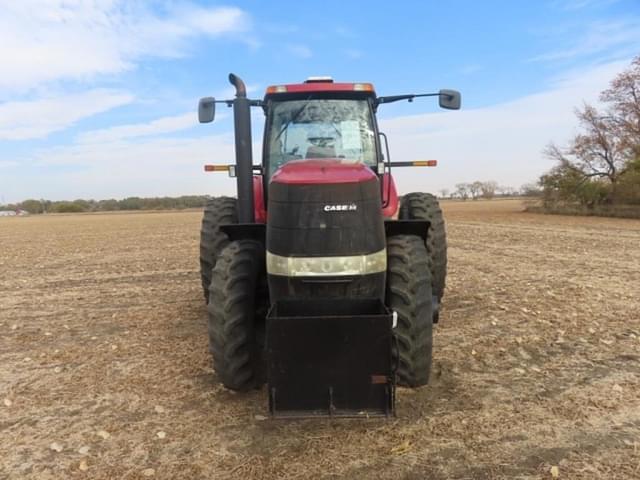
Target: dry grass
[(537, 359)]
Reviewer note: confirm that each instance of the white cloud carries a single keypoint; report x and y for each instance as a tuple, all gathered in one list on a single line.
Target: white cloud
[(47, 40), (152, 167), (123, 164), (300, 51), (154, 127), (145, 167), (162, 153), (502, 142), (619, 38), (8, 164), (38, 118)]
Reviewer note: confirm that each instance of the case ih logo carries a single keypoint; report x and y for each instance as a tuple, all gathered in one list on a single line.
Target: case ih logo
[(341, 208)]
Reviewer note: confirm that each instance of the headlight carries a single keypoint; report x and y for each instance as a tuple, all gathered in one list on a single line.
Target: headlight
[(327, 266)]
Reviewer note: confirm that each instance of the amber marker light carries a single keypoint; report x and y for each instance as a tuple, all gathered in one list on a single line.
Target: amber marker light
[(277, 89), (425, 163), (363, 87), (216, 168)]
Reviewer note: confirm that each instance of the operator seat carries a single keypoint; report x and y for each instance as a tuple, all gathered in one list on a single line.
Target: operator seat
[(321, 152)]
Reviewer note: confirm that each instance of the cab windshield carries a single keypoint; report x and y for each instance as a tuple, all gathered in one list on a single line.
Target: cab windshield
[(320, 128)]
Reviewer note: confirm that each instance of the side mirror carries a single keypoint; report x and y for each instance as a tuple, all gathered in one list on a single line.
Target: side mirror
[(449, 99), (206, 109)]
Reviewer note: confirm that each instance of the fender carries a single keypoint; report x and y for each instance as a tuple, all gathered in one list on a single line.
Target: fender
[(259, 211), (407, 227), (390, 201), (245, 231)]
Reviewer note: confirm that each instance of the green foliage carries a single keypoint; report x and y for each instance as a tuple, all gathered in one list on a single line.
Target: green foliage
[(66, 207), (567, 184), (32, 206), (628, 188), (131, 203), (110, 205)]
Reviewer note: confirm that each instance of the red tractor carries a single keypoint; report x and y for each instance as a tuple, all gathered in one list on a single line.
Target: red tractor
[(318, 280)]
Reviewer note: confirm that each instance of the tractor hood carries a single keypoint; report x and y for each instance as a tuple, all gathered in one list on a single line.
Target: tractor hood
[(323, 171)]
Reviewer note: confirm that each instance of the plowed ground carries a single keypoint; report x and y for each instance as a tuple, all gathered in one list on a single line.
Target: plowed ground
[(103, 345)]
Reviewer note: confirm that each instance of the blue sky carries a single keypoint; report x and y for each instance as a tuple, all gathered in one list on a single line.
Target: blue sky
[(98, 98)]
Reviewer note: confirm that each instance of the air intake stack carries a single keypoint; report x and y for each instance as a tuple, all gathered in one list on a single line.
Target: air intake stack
[(244, 160)]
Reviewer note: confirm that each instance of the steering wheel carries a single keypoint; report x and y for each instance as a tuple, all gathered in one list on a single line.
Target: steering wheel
[(321, 141)]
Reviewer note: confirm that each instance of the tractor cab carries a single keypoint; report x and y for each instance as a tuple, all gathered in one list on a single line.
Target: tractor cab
[(320, 119)]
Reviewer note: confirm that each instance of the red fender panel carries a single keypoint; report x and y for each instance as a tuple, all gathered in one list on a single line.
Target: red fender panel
[(259, 211), (389, 196)]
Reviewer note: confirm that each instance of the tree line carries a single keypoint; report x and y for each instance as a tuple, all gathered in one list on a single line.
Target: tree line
[(599, 169), (487, 190), (34, 206), (463, 191)]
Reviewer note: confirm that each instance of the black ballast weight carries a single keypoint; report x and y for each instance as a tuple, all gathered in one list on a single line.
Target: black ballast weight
[(330, 358)]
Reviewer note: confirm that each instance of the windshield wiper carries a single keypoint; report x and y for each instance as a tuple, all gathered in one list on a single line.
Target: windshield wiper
[(293, 118)]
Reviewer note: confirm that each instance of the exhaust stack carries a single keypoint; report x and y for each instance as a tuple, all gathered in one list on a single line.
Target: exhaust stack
[(244, 160)]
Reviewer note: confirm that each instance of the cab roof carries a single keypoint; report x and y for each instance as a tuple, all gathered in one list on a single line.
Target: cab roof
[(320, 85)]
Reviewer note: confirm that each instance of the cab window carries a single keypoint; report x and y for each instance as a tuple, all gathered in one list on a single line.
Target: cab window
[(320, 129)]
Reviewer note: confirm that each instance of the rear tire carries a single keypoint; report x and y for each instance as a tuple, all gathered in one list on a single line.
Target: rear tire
[(234, 325), (218, 211), (409, 295), (425, 206)]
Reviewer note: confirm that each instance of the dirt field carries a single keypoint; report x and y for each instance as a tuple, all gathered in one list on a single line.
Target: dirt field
[(105, 373)]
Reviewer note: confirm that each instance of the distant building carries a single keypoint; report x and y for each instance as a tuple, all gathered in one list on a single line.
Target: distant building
[(13, 213)]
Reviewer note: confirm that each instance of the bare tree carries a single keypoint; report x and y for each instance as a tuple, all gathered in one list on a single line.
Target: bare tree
[(623, 97), (475, 189), (444, 193), (506, 191), (528, 190), (597, 152), (488, 189), (462, 190)]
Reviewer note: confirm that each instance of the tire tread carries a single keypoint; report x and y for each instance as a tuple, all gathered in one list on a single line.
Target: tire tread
[(425, 206), (409, 295), (218, 211), (232, 314)]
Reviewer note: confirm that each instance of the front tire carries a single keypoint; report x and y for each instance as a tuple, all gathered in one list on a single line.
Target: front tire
[(218, 211), (424, 206), (233, 324), (409, 295)]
